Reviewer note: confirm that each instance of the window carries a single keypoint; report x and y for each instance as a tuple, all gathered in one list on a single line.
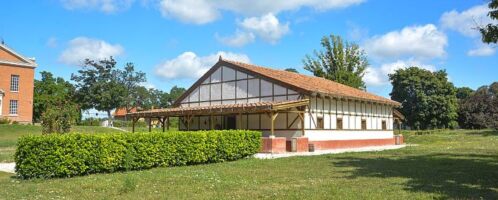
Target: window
[(363, 124), (13, 107), (384, 125), (319, 123), (14, 83), (339, 124)]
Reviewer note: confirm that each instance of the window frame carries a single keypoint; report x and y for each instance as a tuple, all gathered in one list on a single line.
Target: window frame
[(364, 124), (384, 125), (339, 124), (320, 123), (13, 108), (14, 85)]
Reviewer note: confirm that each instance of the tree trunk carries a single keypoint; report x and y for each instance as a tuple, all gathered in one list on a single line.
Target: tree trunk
[(109, 118)]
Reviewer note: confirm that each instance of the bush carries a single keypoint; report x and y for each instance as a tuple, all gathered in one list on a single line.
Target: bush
[(58, 119), (45, 156), (4, 120)]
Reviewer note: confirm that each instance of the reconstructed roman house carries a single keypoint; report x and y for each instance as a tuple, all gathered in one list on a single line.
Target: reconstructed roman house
[(293, 111)]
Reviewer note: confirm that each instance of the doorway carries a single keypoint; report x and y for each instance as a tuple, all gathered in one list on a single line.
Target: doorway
[(230, 122)]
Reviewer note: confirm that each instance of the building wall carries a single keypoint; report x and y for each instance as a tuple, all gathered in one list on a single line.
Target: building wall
[(24, 95)]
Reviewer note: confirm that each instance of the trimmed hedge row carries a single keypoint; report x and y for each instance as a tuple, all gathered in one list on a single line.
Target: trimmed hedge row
[(75, 154)]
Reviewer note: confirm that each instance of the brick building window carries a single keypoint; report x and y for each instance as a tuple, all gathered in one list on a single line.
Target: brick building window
[(13, 107), (319, 123), (14, 83), (339, 123), (363, 124), (384, 125)]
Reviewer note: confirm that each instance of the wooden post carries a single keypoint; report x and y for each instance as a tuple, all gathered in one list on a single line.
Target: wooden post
[(273, 116), (162, 123), (150, 124), (301, 116), (133, 124)]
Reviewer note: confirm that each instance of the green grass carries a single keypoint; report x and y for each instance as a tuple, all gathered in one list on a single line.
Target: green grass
[(446, 165), (10, 133)]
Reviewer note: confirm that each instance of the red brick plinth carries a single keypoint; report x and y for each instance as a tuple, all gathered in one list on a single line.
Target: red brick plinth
[(341, 144), (398, 139), (302, 144), (273, 145)]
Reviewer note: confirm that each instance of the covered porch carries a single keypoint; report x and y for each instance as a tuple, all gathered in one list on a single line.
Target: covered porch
[(231, 116)]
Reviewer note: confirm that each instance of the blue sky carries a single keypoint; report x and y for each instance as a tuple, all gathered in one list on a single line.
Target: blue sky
[(174, 41)]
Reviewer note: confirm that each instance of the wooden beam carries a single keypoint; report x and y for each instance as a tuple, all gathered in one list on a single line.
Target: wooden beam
[(167, 123), (301, 116), (273, 116), (293, 121), (150, 124), (162, 123)]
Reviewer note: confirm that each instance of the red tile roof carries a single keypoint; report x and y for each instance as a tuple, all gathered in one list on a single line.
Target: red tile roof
[(121, 112), (312, 84)]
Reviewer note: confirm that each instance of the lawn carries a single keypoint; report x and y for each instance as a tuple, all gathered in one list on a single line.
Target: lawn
[(452, 164)]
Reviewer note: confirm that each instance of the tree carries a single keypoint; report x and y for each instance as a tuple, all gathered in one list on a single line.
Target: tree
[(174, 94), (291, 70), (131, 81), (428, 99), (480, 109), (49, 92), (340, 61), (463, 92), (58, 118), (490, 31), (99, 86)]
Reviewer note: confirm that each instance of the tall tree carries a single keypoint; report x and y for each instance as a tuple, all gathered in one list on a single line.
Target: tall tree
[(339, 61), (131, 81), (174, 94), (463, 92), (490, 31), (428, 99), (480, 109), (99, 86), (50, 91)]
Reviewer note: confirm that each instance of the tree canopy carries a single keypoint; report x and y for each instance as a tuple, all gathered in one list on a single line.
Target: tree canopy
[(291, 70), (480, 109), (339, 61), (490, 31), (428, 98)]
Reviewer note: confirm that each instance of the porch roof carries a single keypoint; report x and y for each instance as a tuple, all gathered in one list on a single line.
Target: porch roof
[(257, 107)]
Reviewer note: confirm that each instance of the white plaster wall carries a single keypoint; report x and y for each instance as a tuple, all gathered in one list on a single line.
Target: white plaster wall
[(322, 135), (288, 134)]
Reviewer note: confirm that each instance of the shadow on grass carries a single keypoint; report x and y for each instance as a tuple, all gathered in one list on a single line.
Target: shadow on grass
[(484, 133), (455, 176)]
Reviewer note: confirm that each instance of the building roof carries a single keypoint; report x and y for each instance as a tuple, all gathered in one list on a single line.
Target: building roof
[(20, 61), (121, 112), (256, 107), (310, 84)]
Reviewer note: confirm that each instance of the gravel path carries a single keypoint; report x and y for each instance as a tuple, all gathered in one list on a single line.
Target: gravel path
[(8, 167), (321, 152)]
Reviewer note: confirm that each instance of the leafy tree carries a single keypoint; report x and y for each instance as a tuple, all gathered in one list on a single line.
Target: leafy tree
[(463, 92), (131, 81), (480, 109), (99, 86), (490, 31), (58, 118), (428, 99), (50, 91), (340, 61), (174, 94), (291, 70)]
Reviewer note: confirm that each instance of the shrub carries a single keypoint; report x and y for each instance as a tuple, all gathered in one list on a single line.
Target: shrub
[(58, 119), (45, 156), (4, 120)]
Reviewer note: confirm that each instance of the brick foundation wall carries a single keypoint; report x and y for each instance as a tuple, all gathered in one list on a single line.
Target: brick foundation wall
[(273, 145), (342, 144)]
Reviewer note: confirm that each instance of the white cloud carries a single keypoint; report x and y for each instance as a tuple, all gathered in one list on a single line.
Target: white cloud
[(267, 27), (413, 41), (379, 76), (205, 11), (190, 65), (107, 6), (81, 48), (467, 21), (482, 50), (190, 11), (52, 42), (240, 38), (148, 85)]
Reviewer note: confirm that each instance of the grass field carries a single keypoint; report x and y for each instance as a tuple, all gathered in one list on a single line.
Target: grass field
[(446, 165)]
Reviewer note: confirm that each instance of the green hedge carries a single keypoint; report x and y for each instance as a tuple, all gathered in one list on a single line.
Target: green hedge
[(75, 154)]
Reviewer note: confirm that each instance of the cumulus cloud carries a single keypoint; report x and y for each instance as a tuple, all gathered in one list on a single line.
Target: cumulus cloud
[(106, 6), (190, 11), (189, 65), (482, 50), (266, 27), (240, 38), (467, 21), (378, 76), (81, 48), (205, 11), (413, 41)]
